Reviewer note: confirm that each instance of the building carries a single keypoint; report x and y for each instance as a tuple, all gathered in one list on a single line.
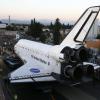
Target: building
[(3, 26), (93, 44), (22, 35), (45, 29)]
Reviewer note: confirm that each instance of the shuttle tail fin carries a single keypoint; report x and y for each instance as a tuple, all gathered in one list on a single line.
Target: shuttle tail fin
[(82, 26)]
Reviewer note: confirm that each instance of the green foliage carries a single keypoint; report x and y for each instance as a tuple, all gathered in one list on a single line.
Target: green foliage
[(51, 26), (35, 29), (56, 35), (55, 28), (43, 38)]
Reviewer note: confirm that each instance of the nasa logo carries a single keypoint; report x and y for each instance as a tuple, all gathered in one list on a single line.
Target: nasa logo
[(34, 70)]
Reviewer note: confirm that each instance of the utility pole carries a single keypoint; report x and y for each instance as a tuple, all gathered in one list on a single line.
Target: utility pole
[(9, 21)]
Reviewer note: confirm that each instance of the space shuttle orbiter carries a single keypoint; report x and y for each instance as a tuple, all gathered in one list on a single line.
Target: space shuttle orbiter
[(44, 62)]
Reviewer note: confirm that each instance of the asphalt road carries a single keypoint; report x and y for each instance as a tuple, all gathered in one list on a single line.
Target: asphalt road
[(75, 93), (80, 92)]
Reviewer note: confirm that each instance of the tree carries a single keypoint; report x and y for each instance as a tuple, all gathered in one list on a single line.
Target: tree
[(35, 28), (43, 38), (57, 27), (51, 26), (68, 26), (63, 26)]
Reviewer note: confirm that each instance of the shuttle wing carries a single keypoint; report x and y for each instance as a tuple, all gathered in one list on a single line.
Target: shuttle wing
[(82, 26), (28, 72)]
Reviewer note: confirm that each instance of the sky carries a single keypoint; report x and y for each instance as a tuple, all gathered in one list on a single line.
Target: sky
[(44, 9)]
